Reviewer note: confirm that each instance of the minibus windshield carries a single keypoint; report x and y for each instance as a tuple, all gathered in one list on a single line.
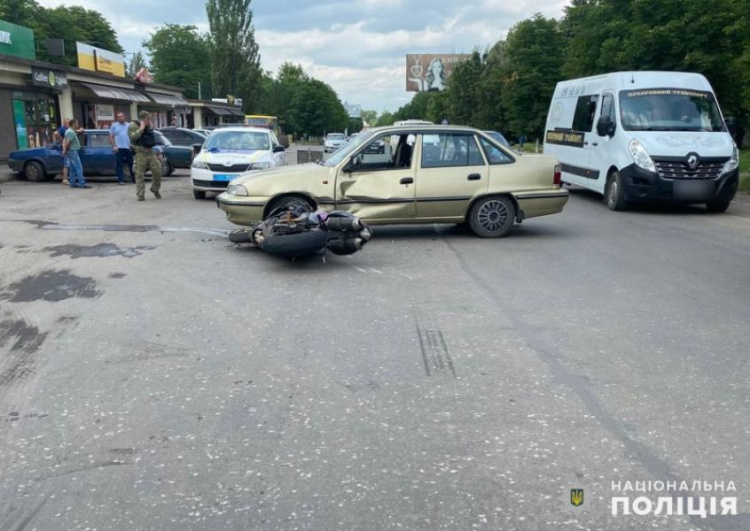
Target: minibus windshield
[(667, 109)]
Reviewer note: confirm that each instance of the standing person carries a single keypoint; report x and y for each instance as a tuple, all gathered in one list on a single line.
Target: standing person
[(120, 139), (59, 136), (71, 147), (143, 139)]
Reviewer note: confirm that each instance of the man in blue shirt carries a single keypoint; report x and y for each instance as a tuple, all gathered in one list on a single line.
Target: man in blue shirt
[(118, 137)]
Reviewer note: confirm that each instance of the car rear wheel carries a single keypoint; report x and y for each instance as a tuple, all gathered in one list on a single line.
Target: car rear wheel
[(615, 196), (34, 171), (199, 194), (492, 217)]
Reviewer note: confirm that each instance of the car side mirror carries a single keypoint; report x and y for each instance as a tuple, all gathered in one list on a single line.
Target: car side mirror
[(197, 148), (605, 126), (279, 149)]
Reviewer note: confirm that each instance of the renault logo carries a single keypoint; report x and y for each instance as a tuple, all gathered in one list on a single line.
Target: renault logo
[(693, 162)]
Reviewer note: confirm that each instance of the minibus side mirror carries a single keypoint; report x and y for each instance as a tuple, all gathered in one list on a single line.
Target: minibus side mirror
[(605, 126)]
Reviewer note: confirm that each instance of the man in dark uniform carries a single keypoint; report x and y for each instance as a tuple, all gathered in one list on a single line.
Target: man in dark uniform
[(143, 139)]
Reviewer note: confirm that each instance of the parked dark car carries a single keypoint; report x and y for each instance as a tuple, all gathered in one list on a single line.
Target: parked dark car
[(97, 157), (176, 156), (180, 136)]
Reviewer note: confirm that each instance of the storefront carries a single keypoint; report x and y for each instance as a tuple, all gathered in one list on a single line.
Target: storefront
[(168, 109), (207, 113), (36, 96), (95, 106)]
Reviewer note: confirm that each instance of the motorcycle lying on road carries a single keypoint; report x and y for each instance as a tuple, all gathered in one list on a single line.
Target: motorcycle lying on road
[(298, 230)]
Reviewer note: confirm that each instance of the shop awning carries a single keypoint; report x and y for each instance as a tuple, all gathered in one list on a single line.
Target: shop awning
[(166, 99), (219, 111), (114, 93), (237, 112)]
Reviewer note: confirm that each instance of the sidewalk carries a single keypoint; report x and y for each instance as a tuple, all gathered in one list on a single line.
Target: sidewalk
[(6, 175)]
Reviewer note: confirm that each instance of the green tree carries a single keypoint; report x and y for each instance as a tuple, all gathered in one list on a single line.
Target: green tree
[(385, 118), (370, 117), (534, 52), (135, 64), (464, 90), (235, 61), (180, 57), (21, 12)]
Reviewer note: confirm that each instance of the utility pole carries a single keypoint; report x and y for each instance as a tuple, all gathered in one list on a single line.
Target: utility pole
[(199, 91)]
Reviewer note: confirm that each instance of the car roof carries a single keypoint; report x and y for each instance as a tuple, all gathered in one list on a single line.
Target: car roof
[(240, 129), (416, 128)]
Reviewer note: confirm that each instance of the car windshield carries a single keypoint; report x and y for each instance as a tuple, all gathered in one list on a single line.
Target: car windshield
[(237, 141), (348, 149), (669, 110), (335, 136)]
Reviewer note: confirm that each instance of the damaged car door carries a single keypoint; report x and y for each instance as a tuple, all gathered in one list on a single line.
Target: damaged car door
[(379, 186)]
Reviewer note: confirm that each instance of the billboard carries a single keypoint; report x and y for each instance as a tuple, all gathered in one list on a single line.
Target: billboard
[(98, 60), (17, 40), (426, 72)]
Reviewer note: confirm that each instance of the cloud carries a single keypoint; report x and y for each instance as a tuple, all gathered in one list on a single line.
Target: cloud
[(358, 46)]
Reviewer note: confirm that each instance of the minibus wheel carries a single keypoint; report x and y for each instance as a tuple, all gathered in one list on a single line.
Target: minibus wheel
[(614, 195)]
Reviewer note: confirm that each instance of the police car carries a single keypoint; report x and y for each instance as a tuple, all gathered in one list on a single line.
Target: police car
[(229, 152)]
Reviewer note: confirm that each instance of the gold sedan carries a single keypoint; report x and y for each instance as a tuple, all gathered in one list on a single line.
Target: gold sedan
[(410, 174)]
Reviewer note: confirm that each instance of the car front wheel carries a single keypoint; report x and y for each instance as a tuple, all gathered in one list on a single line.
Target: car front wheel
[(492, 217), (35, 171), (284, 203)]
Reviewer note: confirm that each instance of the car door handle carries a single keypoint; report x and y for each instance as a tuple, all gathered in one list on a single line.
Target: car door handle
[(407, 180), (474, 177), (595, 144)]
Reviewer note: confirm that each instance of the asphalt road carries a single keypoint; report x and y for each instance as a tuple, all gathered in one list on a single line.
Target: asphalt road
[(155, 377)]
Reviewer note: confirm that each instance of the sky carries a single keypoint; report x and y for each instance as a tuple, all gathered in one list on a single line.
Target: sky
[(356, 46)]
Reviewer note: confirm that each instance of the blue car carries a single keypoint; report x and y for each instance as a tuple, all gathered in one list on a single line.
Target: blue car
[(98, 158)]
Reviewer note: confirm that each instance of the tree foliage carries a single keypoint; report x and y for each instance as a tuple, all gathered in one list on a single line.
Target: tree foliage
[(234, 57), (509, 86), (180, 57), (304, 105)]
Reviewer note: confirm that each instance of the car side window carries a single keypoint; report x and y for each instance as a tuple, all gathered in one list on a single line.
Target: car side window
[(445, 150), (99, 141), (387, 153), (494, 154)]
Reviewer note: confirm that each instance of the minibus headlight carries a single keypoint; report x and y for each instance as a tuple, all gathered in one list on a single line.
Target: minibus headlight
[(734, 161), (641, 157)]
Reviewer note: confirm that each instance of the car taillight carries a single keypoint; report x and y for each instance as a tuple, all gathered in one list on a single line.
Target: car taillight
[(558, 176)]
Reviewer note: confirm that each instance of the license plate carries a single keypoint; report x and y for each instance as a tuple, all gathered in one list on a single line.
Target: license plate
[(693, 190), (223, 177)]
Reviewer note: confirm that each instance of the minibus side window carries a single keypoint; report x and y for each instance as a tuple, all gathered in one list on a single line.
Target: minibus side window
[(583, 121)]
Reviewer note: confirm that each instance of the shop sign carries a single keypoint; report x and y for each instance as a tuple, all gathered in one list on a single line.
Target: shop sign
[(44, 77), (105, 113)]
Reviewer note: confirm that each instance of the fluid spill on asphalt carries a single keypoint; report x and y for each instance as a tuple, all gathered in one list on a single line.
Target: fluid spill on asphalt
[(52, 286), (117, 275), (100, 250), (51, 225)]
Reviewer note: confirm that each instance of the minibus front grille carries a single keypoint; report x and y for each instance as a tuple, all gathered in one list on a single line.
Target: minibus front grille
[(680, 170)]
